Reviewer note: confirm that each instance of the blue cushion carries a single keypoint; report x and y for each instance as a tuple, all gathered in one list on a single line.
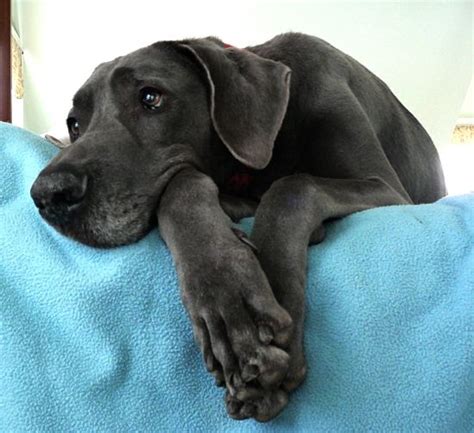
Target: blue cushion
[(98, 341)]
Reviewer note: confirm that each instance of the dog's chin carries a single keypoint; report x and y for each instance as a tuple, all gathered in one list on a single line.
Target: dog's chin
[(105, 239), (105, 234)]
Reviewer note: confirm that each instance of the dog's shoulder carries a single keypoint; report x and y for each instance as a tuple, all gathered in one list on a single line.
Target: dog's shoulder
[(300, 51)]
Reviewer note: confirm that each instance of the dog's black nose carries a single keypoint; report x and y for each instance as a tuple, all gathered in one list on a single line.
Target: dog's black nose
[(57, 194)]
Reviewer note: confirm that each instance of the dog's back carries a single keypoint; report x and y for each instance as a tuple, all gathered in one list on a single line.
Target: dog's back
[(318, 69)]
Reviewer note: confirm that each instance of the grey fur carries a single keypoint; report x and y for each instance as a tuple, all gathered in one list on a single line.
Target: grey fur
[(236, 135)]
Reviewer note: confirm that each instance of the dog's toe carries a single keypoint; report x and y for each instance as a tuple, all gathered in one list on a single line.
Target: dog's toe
[(268, 366), (294, 378), (297, 368), (265, 363), (262, 408), (274, 323)]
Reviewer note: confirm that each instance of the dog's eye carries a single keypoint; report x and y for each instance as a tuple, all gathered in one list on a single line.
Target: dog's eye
[(150, 98), (73, 126)]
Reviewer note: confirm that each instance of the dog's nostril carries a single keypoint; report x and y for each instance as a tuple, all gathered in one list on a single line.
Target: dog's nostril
[(59, 190), (70, 195)]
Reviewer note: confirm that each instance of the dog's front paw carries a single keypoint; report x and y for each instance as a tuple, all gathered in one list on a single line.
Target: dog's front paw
[(239, 325)]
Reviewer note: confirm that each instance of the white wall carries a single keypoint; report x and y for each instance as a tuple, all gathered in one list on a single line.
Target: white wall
[(423, 50), (467, 109)]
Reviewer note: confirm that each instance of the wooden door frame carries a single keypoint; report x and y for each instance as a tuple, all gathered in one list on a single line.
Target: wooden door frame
[(5, 62)]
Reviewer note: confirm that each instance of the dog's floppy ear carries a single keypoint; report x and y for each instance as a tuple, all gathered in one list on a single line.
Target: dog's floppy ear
[(249, 96)]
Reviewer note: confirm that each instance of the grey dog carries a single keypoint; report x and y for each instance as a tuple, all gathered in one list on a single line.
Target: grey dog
[(195, 134)]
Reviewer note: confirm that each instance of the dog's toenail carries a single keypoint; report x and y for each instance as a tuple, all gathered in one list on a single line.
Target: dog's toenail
[(236, 380), (243, 237), (210, 362)]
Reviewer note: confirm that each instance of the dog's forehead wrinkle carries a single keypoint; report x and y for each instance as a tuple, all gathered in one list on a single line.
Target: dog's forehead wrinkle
[(153, 61), (160, 75)]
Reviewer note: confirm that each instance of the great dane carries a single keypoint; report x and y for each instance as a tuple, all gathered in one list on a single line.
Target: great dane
[(195, 134)]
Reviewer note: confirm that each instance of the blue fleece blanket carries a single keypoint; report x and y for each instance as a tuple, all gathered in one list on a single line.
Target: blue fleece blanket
[(98, 341)]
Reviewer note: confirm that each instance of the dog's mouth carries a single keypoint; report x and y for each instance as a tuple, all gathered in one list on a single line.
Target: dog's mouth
[(104, 223), (100, 233), (60, 215), (100, 238)]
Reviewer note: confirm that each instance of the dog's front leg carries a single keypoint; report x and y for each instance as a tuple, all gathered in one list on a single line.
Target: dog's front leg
[(291, 216), (236, 319)]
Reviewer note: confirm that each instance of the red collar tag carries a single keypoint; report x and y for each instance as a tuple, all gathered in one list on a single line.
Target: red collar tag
[(239, 182)]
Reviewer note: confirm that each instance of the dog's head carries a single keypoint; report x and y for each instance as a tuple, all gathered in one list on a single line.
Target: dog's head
[(142, 117)]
